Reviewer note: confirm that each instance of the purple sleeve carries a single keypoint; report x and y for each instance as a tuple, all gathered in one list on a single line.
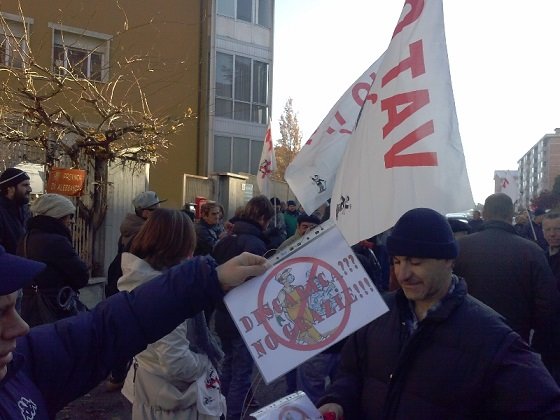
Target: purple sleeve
[(68, 358)]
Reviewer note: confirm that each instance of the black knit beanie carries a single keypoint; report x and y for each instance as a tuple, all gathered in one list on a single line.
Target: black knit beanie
[(11, 177), (422, 233)]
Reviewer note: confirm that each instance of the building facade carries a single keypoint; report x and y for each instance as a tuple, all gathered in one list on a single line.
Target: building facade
[(539, 167), (241, 61), (206, 63)]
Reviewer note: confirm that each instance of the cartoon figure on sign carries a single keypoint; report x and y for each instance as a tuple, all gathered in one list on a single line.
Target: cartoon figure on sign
[(321, 183), (322, 299), (264, 168), (293, 301), (343, 205)]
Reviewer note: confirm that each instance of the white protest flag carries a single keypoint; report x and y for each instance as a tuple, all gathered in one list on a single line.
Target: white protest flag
[(267, 164), (507, 183), (406, 149), (312, 173)]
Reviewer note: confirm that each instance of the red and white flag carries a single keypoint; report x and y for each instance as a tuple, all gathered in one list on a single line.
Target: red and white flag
[(267, 164), (312, 173), (507, 183), (406, 150)]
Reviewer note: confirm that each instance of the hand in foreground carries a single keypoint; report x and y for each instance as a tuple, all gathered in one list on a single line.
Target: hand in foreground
[(331, 411), (235, 271)]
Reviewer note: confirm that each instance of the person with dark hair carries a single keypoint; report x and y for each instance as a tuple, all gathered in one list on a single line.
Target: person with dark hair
[(290, 217), (533, 229), (305, 222), (206, 228), (49, 240), (44, 369), (459, 227), (247, 236), (276, 232), (476, 222), (551, 230), (144, 203), (437, 353), (512, 276), (163, 381)]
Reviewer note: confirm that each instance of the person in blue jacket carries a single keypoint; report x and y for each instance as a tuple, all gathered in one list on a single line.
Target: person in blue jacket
[(45, 368)]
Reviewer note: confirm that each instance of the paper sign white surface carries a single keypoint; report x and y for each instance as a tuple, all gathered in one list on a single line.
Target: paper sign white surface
[(295, 406), (316, 294)]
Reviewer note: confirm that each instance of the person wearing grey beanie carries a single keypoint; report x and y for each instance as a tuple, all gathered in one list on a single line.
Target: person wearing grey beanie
[(49, 240), (437, 351), (53, 205)]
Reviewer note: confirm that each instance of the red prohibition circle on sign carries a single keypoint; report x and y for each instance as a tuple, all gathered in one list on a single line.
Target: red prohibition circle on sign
[(285, 411), (315, 264)]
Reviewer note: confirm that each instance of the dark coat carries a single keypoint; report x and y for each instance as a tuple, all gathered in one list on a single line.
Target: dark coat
[(49, 241), (247, 236), (206, 238), (57, 363), (554, 262), (13, 218), (462, 362), (130, 227), (511, 275)]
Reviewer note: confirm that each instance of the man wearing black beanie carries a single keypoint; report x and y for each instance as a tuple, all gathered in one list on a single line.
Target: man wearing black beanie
[(438, 353), (14, 210), (14, 199)]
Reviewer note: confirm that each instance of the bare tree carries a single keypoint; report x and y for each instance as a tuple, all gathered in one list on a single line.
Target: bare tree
[(71, 119), (290, 142)]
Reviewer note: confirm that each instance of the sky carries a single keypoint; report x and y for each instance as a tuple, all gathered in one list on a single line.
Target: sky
[(504, 58)]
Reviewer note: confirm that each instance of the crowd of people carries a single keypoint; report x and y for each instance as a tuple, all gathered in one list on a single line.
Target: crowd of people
[(472, 329)]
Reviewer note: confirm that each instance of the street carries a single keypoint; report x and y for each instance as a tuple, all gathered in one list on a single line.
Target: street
[(99, 404)]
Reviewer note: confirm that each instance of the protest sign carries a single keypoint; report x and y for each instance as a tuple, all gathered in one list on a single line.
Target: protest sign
[(296, 406), (315, 294)]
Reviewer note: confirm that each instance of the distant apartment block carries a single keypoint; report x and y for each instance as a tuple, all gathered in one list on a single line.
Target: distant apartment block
[(539, 167)]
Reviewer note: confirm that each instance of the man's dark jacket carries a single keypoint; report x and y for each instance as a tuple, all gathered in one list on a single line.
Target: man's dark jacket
[(511, 275), (13, 218), (247, 236), (462, 362), (206, 238)]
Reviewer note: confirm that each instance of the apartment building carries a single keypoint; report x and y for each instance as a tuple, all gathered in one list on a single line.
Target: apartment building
[(539, 167)]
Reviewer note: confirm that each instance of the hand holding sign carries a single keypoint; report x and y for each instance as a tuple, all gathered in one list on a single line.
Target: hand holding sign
[(235, 271)]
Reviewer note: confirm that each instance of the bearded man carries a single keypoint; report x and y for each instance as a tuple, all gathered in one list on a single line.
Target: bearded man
[(14, 210)]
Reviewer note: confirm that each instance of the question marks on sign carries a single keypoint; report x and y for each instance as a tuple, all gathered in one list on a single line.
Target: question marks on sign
[(351, 258), (345, 266)]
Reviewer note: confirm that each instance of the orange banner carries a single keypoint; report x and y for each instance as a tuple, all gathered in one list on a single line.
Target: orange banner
[(69, 182)]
